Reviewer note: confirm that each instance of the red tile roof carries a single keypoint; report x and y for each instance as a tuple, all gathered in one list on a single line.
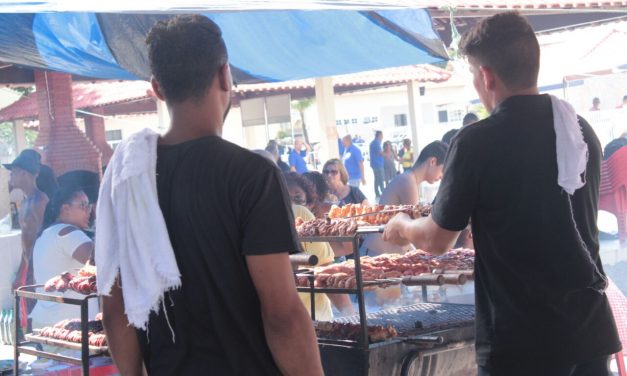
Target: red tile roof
[(85, 95), (105, 93), (391, 76)]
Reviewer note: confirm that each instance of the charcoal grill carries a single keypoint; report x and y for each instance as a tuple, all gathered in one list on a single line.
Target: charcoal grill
[(434, 339)]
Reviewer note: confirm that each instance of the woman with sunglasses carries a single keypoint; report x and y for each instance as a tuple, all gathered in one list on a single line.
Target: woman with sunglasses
[(337, 178), (62, 246)]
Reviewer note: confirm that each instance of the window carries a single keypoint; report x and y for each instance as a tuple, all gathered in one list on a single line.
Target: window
[(443, 116), (353, 121), (346, 121), (455, 115), (374, 119), (367, 120), (338, 122), (113, 135), (400, 120)]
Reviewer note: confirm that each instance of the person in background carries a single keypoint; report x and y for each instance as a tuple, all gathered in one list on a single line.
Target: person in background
[(389, 162), (377, 163), (337, 179), (62, 246), (614, 145), (24, 171), (405, 190), (518, 175), (273, 149), (46, 181), (340, 146), (228, 303), (353, 163), (596, 104), (406, 154), (324, 198), (297, 156), (303, 195), (468, 119)]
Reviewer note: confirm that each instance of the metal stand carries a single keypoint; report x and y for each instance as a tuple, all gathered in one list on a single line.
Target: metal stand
[(358, 290), (28, 292)]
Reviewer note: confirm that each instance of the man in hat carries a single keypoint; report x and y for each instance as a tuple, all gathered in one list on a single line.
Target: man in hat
[(24, 171)]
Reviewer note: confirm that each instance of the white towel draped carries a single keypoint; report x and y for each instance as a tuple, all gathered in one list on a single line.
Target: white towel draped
[(572, 151), (132, 238)]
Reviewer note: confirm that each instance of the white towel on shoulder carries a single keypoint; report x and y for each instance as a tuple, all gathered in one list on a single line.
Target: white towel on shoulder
[(572, 151), (131, 234)]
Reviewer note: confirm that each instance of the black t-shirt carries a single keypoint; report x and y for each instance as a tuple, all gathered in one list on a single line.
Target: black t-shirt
[(537, 287), (355, 196), (220, 203)]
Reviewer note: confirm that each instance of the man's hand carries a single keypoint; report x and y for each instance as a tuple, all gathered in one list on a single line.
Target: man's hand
[(423, 233), (394, 230)]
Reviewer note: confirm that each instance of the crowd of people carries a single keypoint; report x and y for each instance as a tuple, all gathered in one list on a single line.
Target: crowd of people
[(194, 232)]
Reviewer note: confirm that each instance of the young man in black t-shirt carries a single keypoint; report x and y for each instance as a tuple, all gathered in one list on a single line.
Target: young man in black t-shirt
[(229, 221), (541, 309)]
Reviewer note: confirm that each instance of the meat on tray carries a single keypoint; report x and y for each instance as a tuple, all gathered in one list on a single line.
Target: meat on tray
[(347, 331), (82, 283), (378, 214), (344, 221), (386, 266), (70, 331)]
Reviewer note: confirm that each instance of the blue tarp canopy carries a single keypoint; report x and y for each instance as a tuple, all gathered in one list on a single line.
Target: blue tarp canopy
[(263, 45)]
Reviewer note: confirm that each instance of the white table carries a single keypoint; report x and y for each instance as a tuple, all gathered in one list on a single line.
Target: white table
[(10, 257)]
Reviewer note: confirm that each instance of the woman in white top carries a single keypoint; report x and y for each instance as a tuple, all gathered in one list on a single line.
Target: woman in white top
[(62, 246)]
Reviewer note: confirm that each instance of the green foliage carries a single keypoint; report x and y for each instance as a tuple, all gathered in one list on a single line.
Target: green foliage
[(480, 111), (31, 137), (6, 133), (7, 136), (24, 90)]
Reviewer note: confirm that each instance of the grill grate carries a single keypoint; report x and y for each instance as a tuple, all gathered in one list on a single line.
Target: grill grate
[(419, 318)]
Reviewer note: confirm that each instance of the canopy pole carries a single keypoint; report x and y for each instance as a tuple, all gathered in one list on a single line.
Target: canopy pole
[(325, 101), (415, 95), (20, 137)]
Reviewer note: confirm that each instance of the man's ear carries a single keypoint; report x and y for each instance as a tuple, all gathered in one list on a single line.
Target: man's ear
[(488, 76), (156, 88), (433, 161), (226, 80)]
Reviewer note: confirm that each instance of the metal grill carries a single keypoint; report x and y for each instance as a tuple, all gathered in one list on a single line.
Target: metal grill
[(419, 318)]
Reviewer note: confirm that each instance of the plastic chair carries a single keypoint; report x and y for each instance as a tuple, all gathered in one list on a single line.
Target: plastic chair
[(613, 189), (618, 303)]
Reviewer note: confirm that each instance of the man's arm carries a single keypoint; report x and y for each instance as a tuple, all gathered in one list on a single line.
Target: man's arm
[(361, 169), (424, 233), (122, 338), (289, 331)]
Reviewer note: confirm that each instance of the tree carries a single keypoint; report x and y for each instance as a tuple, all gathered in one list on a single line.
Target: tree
[(302, 105)]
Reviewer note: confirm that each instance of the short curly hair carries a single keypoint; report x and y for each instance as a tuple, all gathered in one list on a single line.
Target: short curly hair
[(507, 43), (295, 179), (185, 53)]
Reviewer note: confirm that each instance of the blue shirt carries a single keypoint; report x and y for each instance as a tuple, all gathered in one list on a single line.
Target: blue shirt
[(351, 158), (376, 159), (296, 160)]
